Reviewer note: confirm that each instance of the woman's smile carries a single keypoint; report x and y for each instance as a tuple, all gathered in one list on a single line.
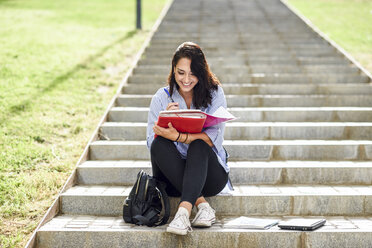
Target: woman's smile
[(186, 84)]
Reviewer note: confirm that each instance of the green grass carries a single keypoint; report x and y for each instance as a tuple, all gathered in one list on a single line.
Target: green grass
[(60, 64), (347, 22)]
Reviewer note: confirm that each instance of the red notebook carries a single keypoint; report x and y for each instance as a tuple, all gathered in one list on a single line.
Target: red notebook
[(193, 120)]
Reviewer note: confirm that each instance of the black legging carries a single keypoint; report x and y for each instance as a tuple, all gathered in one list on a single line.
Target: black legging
[(199, 175)]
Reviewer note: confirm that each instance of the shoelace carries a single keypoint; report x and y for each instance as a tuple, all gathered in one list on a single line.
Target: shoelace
[(184, 221), (208, 210)]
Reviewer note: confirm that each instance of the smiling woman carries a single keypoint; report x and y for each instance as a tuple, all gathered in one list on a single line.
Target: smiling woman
[(191, 75), (193, 166)]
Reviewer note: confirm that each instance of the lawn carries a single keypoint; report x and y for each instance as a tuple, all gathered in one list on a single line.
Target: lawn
[(347, 22), (61, 62)]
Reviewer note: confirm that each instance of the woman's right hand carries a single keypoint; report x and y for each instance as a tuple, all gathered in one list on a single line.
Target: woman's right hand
[(169, 133), (173, 106)]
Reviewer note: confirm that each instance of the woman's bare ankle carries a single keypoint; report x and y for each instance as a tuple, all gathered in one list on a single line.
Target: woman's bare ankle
[(187, 205), (200, 200)]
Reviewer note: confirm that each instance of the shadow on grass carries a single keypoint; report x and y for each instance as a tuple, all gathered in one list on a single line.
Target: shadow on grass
[(27, 104)]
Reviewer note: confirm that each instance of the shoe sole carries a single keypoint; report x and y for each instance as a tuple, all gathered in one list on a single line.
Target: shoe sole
[(176, 231), (204, 224)]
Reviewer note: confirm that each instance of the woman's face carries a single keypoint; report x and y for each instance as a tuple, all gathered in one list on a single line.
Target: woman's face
[(185, 79)]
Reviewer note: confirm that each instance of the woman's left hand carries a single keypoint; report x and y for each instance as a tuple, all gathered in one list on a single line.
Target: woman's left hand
[(169, 133)]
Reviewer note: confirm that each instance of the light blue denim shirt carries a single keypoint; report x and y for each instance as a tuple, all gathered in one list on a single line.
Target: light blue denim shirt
[(160, 102)]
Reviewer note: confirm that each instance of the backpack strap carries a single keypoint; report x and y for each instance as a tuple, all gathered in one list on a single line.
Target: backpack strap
[(146, 219), (127, 216), (128, 202), (165, 202)]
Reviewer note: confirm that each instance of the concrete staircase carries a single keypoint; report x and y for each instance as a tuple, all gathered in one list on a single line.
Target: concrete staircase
[(302, 145)]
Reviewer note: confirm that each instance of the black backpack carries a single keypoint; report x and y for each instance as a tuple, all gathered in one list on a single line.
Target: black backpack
[(147, 203)]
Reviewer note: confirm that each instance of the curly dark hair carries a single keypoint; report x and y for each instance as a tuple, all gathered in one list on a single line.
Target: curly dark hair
[(207, 81)]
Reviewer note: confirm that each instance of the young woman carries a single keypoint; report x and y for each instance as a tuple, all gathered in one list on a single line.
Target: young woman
[(192, 165)]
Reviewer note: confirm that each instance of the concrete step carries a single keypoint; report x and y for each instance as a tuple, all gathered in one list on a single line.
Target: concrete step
[(255, 150), (274, 114), (257, 61), (262, 78), (237, 50), (128, 100), (324, 52), (250, 52), (270, 89), (247, 36), (124, 172), (303, 31), (241, 39), (256, 131), (230, 36), (255, 29), (222, 40), (267, 200), (230, 41), (244, 69), (275, 44), (298, 131), (81, 230)]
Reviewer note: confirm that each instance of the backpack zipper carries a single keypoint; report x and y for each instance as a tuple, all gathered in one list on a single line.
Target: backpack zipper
[(147, 183), (138, 181)]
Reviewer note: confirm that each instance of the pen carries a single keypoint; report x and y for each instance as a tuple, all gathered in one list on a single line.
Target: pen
[(166, 91)]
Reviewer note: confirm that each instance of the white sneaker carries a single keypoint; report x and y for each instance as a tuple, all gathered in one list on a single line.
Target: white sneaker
[(180, 224), (205, 217)]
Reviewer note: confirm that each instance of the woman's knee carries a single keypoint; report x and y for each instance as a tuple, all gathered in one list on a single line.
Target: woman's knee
[(197, 154), (215, 189), (199, 148), (198, 144)]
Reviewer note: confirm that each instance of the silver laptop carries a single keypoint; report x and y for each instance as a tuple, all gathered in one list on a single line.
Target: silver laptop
[(302, 224)]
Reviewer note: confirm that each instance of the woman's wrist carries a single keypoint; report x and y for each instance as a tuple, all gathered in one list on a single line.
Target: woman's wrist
[(183, 137), (178, 137)]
